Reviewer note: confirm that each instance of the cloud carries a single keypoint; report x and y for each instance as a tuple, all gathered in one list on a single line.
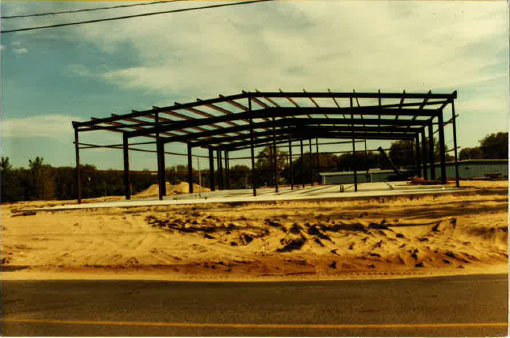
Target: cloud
[(54, 126), (79, 70), (315, 45), (20, 51)]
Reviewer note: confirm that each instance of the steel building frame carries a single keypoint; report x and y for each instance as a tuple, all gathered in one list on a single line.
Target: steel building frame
[(250, 119)]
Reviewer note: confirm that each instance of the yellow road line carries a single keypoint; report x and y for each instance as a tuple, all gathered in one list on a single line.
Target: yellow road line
[(255, 325)]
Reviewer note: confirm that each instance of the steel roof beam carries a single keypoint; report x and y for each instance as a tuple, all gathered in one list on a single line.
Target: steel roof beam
[(288, 95), (285, 139), (291, 122), (281, 112), (290, 129)]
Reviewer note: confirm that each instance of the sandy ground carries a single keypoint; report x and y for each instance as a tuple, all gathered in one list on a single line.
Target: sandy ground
[(177, 189), (372, 238)]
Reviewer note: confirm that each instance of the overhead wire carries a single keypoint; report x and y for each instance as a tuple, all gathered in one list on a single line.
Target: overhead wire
[(88, 9), (132, 16)]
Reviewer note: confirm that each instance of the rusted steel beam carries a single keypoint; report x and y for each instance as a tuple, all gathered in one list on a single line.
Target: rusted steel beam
[(331, 135), (288, 95), (298, 122), (313, 101), (139, 122), (234, 103), (282, 112), (290, 128), (401, 103)]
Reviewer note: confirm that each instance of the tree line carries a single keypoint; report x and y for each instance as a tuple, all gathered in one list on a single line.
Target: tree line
[(41, 181)]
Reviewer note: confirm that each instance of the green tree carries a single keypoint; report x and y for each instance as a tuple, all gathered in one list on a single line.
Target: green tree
[(12, 187), (402, 153), (41, 180), (470, 153), (264, 165), (495, 145)]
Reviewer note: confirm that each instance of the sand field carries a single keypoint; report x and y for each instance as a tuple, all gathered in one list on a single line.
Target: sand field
[(370, 238)]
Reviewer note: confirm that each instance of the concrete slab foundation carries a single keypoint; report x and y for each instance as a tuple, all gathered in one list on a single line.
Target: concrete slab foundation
[(365, 190)]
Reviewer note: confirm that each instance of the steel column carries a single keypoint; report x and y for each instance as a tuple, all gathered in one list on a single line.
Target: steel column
[(418, 155), (220, 170), (424, 154), (457, 182), (161, 183), (160, 148), (442, 148), (127, 182), (252, 151), (302, 164), (318, 167), (211, 170), (227, 171), (78, 169), (275, 159), (291, 172), (354, 154), (431, 153), (310, 161), (190, 169)]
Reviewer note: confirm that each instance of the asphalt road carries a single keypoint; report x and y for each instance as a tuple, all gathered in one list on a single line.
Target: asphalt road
[(445, 306)]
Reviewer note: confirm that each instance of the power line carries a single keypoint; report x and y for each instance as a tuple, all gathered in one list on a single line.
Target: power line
[(88, 9), (131, 16)]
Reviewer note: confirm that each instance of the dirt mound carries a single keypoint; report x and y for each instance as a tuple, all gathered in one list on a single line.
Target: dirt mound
[(178, 189)]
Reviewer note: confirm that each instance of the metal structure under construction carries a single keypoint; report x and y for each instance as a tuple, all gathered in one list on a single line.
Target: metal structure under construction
[(253, 119)]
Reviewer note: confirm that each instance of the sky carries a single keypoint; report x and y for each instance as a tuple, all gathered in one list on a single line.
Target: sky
[(54, 76)]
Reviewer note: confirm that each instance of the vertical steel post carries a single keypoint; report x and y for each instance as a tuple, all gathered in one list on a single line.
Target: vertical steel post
[(310, 161), (354, 153), (442, 148), (457, 181), (160, 147), (159, 156), (291, 172), (431, 152), (227, 171), (220, 168), (211, 169), (163, 168), (252, 151), (78, 169), (127, 182), (190, 169), (424, 154), (302, 164), (275, 158), (318, 166), (218, 164), (418, 155)]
